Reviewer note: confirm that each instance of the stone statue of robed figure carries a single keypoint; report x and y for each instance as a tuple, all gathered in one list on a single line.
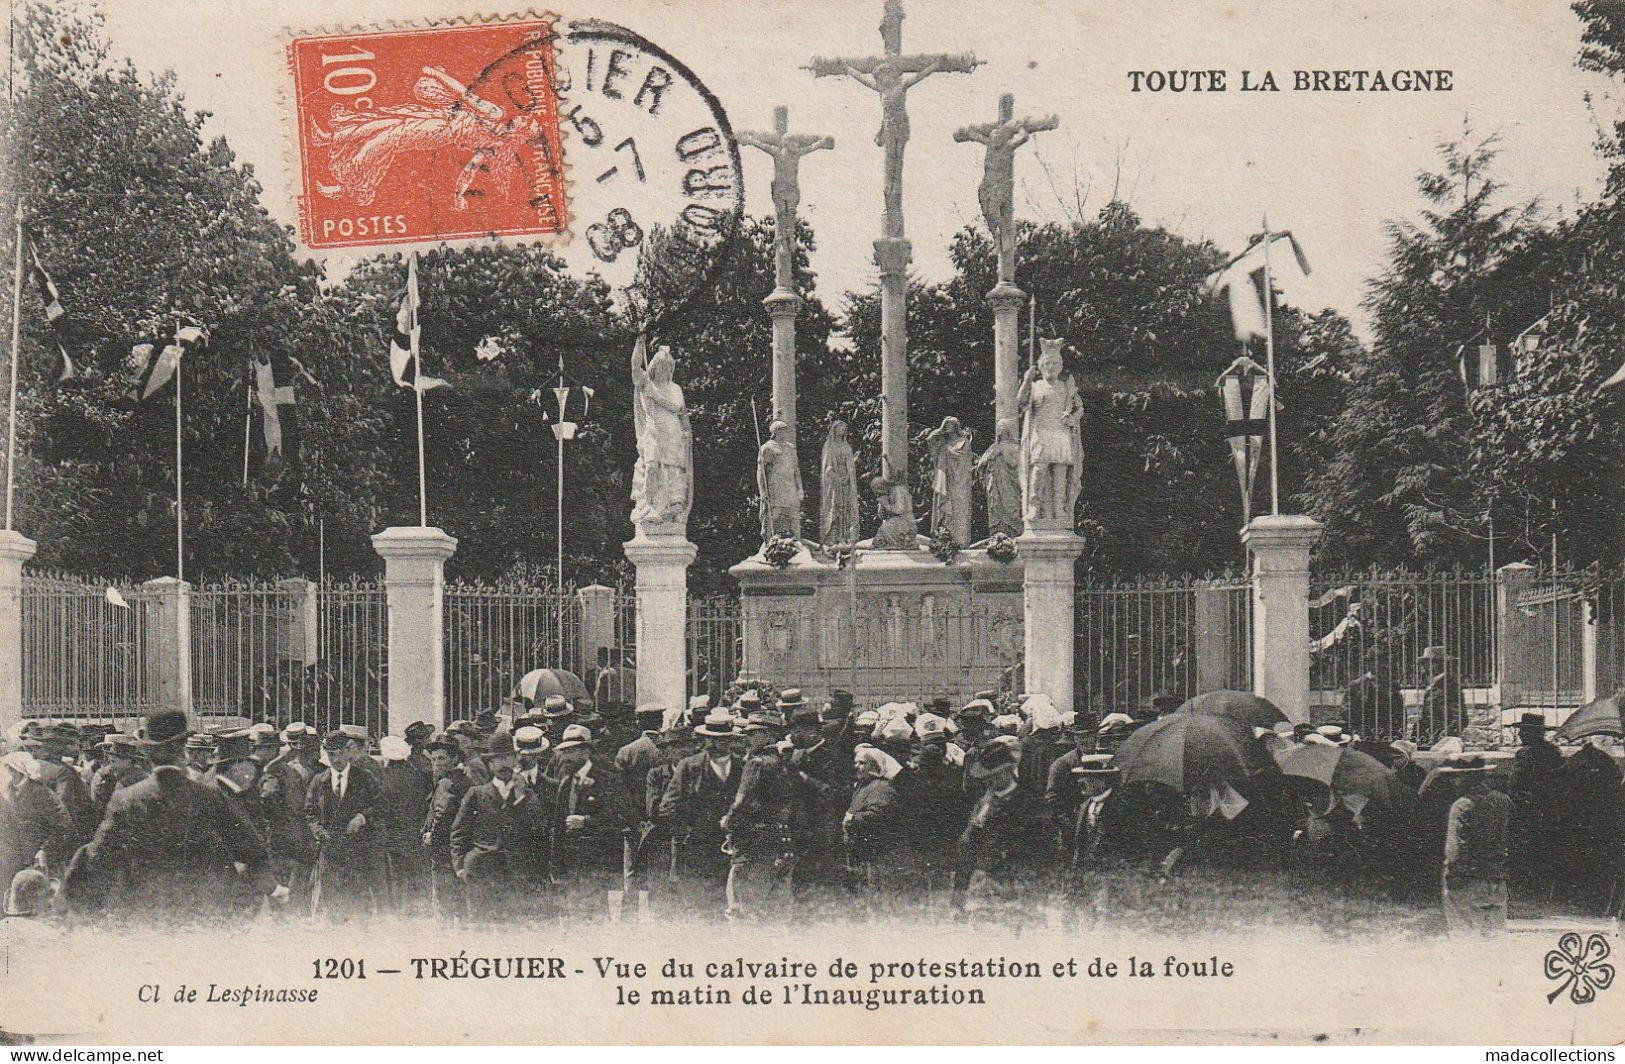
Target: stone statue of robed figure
[(663, 479)]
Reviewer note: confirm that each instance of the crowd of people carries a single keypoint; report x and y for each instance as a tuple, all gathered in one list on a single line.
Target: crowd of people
[(754, 808)]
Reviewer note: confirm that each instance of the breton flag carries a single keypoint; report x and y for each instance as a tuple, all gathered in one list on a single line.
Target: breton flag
[(405, 358), (54, 311), (154, 362), (1243, 278), (272, 398), (1245, 388), (1478, 364)]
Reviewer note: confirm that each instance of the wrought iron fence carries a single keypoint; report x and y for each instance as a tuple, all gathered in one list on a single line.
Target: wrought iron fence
[(716, 645), (84, 649), (290, 650), (1172, 636), (496, 633), (1425, 655)]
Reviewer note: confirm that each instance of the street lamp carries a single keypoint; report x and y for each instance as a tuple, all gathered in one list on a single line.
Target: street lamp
[(1246, 393)]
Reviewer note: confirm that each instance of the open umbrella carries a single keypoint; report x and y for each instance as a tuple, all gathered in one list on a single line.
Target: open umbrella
[(1239, 706), (537, 684), (1191, 752), (1346, 771), (1599, 717)]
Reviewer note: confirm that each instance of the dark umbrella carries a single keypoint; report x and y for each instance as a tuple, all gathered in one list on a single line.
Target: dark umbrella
[(1190, 752), (1344, 770), (1238, 706), (1600, 717)]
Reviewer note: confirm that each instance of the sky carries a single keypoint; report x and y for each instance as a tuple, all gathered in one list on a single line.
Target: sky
[(1332, 167)]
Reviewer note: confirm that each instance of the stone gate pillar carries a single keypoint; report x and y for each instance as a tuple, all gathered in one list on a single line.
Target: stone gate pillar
[(662, 562), (1049, 607), (1280, 546), (15, 550), (169, 642), (414, 587)]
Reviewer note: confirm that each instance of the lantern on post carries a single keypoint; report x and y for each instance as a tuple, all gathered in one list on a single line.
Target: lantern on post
[(1246, 392)]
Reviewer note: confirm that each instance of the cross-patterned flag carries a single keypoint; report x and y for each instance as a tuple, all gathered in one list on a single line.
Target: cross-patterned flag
[(272, 398), (405, 358), (54, 312), (1242, 278), (1245, 388), (1478, 365)]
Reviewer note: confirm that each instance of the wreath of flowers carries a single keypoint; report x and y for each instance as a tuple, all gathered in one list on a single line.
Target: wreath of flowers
[(766, 691), (944, 546), (1001, 548), (780, 551)]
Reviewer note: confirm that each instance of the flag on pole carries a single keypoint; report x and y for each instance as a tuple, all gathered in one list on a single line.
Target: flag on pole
[(272, 397), (1245, 388), (1242, 278), (1478, 364), (154, 362), (54, 312), (405, 357)]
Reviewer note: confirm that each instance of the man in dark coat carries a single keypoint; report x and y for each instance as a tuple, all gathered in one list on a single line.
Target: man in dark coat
[(931, 788), (404, 786), (633, 760), (342, 809), (1535, 794), (31, 820), (282, 788), (1590, 836), (1063, 790), (758, 825), (451, 782), (592, 819), (656, 854), (57, 751), (997, 838), (821, 786), (1444, 712), (169, 846), (498, 835), (233, 769), (124, 765), (700, 793)]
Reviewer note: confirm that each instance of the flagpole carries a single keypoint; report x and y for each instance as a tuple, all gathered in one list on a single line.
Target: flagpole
[(248, 417), (417, 396), (1269, 359), (16, 336), (180, 504), (559, 505)]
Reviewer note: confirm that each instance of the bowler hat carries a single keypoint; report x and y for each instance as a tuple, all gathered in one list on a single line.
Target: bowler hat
[(418, 732), (842, 700), (485, 721), (232, 746), (444, 742), (163, 727), (1533, 721)]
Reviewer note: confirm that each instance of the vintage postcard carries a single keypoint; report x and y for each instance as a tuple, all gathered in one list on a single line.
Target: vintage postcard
[(873, 522)]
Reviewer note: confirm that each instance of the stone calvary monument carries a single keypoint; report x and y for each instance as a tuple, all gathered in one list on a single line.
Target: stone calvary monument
[(850, 612)]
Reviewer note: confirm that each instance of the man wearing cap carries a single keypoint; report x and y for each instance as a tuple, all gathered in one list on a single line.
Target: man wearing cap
[(495, 838), (282, 790), (57, 752), (758, 824), (199, 749), (701, 792), (125, 765), (1474, 888), (451, 782), (342, 811), (1063, 789), (404, 787), (168, 846), (592, 818)]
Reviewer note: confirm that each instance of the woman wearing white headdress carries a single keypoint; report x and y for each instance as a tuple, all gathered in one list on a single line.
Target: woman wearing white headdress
[(662, 480)]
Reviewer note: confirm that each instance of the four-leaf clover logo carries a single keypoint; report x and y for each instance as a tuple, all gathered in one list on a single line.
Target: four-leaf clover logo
[(1581, 968)]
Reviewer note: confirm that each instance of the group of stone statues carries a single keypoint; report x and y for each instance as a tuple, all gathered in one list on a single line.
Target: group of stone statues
[(1029, 482)]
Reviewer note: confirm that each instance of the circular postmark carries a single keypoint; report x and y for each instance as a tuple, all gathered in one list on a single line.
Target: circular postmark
[(656, 191)]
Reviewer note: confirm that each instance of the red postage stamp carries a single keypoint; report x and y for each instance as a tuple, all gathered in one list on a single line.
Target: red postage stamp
[(416, 135)]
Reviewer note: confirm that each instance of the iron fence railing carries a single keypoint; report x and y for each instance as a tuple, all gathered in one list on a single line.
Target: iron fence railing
[(84, 648), (496, 633), (1174, 636), (716, 645)]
